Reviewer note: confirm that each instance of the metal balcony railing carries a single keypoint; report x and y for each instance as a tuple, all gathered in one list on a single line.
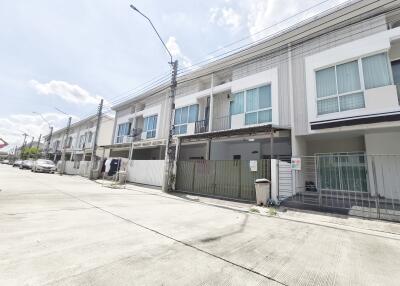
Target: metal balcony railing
[(201, 126), (222, 123)]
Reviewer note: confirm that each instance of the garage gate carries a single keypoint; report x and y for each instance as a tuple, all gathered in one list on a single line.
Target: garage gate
[(233, 179)]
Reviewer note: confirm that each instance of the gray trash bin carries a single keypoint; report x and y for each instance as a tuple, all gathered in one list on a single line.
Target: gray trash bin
[(262, 191)]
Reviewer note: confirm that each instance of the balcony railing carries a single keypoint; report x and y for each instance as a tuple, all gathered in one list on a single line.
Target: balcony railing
[(201, 126), (222, 123)]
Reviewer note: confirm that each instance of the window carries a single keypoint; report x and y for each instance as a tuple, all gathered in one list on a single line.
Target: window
[(256, 103), (237, 103), (150, 126), (183, 116), (82, 141), (124, 129), (341, 88), (90, 135), (376, 71), (396, 72)]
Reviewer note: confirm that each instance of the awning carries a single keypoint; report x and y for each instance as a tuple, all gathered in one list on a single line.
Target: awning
[(255, 130)]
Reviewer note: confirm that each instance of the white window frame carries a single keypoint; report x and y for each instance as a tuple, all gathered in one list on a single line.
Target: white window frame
[(120, 138), (150, 130), (188, 114), (362, 83), (257, 110)]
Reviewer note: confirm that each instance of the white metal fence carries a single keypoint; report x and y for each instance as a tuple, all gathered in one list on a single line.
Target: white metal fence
[(355, 184)]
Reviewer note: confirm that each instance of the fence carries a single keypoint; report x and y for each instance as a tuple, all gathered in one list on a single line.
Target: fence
[(148, 172), (226, 179), (354, 184)]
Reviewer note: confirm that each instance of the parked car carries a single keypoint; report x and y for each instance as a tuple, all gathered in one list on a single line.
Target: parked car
[(26, 164), (5, 162), (17, 163), (42, 165)]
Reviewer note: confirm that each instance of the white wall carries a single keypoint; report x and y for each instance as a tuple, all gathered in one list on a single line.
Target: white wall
[(382, 143), (383, 150), (335, 145), (191, 151), (377, 100), (148, 172)]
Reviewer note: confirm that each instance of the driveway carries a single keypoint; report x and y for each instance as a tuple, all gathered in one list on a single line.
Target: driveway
[(63, 230)]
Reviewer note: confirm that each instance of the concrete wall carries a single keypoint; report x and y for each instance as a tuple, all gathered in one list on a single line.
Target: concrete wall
[(335, 145), (317, 45), (383, 150), (148, 172), (382, 143), (377, 100), (192, 151)]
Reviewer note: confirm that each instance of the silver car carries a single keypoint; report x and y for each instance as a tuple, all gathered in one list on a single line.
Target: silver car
[(42, 165), (26, 164)]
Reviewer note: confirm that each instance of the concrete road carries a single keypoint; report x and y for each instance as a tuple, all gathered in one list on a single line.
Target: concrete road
[(70, 231)]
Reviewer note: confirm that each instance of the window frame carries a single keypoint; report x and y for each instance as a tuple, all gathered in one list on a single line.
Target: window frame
[(150, 133), (362, 82), (257, 111), (120, 137), (177, 127)]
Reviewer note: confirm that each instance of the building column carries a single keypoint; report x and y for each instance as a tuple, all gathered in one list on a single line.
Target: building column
[(208, 149), (175, 170), (211, 111)]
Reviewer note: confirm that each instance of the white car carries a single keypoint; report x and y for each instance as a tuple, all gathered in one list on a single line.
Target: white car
[(42, 165)]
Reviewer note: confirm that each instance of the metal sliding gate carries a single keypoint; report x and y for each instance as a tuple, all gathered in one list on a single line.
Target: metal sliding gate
[(353, 184), (226, 179)]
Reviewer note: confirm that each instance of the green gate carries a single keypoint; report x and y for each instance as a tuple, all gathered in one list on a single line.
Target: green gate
[(226, 179)]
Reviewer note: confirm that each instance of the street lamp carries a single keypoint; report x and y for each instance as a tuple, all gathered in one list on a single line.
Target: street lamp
[(50, 134), (171, 103)]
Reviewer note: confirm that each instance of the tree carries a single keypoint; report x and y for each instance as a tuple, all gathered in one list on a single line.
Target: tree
[(30, 152)]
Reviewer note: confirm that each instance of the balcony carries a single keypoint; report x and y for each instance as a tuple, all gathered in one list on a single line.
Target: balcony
[(201, 126), (222, 123)]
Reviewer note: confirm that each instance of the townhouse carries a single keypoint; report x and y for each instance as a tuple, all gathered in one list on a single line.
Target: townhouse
[(324, 91), (78, 145)]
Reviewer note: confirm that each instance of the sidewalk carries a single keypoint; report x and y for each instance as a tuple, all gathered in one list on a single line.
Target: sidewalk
[(351, 223)]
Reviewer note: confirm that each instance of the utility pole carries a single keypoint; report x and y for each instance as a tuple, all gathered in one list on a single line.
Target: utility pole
[(51, 132), (62, 167), (38, 145), (94, 144), (48, 143), (23, 145), (168, 167)]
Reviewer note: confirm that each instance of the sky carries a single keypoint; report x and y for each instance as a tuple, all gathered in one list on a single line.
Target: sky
[(68, 54)]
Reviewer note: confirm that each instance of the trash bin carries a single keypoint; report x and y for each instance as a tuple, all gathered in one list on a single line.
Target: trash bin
[(262, 191)]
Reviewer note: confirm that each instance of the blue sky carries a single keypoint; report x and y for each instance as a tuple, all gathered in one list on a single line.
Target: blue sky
[(68, 54)]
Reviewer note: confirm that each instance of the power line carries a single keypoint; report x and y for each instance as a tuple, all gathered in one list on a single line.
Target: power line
[(166, 76), (282, 49), (282, 41)]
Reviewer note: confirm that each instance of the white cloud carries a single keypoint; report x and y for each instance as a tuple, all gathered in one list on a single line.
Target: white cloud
[(175, 50), (225, 17), (12, 127), (265, 17), (69, 92), (268, 17)]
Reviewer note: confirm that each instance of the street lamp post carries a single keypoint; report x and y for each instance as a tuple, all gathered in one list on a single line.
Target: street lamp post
[(46, 152), (171, 103)]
